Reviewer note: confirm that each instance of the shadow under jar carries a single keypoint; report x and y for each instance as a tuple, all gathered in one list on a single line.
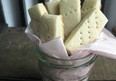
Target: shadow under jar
[(54, 69)]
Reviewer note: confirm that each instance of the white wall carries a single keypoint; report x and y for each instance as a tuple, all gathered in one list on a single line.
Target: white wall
[(110, 11), (11, 12)]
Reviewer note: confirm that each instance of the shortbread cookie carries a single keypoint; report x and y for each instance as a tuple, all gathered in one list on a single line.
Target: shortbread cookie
[(71, 12), (88, 5), (50, 27), (87, 31), (53, 7), (37, 11)]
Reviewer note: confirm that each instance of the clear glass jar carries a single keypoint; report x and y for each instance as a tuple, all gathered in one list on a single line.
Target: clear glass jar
[(53, 69)]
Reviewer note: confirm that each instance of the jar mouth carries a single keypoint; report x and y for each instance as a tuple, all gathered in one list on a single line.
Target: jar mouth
[(50, 57)]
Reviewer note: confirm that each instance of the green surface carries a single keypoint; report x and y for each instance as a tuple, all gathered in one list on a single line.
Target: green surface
[(17, 56)]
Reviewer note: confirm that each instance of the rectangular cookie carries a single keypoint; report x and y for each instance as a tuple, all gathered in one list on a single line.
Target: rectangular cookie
[(88, 5), (50, 27), (53, 7), (87, 31), (71, 12)]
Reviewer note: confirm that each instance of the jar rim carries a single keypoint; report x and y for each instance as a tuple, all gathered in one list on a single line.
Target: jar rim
[(48, 56)]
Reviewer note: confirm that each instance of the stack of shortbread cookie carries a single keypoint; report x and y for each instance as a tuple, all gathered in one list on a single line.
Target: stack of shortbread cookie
[(77, 25)]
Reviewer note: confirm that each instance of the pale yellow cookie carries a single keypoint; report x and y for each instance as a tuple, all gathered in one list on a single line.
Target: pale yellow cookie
[(87, 31), (88, 5), (71, 12), (50, 27), (53, 7), (37, 11)]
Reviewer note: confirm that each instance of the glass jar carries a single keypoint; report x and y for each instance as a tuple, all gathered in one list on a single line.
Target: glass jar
[(53, 69)]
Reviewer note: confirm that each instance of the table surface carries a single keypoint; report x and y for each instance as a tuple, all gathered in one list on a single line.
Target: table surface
[(18, 60)]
